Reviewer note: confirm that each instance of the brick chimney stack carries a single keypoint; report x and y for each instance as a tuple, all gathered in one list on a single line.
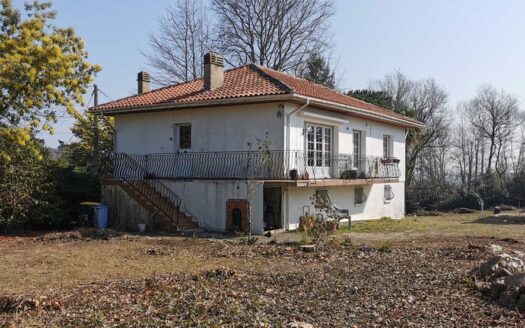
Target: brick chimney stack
[(143, 80), (213, 71)]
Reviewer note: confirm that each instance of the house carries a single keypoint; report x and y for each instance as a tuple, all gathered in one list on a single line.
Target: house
[(250, 144)]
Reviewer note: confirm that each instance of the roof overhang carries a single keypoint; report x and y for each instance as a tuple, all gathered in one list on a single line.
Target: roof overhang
[(295, 98)]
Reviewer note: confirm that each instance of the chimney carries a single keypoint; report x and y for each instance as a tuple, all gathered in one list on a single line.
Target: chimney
[(213, 71), (143, 80)]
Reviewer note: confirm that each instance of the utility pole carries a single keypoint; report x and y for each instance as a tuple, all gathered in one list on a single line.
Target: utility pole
[(95, 132)]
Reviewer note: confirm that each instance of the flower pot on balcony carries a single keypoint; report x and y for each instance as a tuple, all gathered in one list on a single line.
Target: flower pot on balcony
[(396, 160), (305, 176), (349, 174), (386, 160), (294, 174)]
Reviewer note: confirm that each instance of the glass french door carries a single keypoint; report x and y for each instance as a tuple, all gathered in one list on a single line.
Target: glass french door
[(318, 150)]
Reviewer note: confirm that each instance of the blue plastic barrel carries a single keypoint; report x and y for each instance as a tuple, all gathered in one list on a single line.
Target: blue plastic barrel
[(101, 216)]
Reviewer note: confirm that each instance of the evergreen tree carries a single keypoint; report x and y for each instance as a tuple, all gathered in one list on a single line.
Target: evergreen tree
[(318, 70), (379, 98)]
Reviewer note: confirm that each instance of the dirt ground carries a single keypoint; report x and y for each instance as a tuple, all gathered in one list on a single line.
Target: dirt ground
[(409, 273)]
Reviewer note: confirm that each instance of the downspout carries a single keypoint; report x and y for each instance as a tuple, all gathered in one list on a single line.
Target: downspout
[(288, 122), (288, 125)]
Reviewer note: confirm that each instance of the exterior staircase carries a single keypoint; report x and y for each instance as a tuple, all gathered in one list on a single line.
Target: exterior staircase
[(160, 201), (162, 221)]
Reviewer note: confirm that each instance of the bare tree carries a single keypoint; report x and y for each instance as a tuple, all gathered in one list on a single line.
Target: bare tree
[(279, 34), (179, 44), (425, 101), (464, 153), (495, 116)]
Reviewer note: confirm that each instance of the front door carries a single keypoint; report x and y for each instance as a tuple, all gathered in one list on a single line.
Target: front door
[(319, 151), (272, 208), (182, 165)]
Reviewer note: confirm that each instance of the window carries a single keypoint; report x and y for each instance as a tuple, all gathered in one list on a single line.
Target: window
[(185, 136), (357, 148), (359, 196), (321, 198), (389, 195), (387, 151), (318, 145)]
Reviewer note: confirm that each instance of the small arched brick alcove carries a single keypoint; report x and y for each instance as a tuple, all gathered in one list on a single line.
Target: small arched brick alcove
[(237, 215)]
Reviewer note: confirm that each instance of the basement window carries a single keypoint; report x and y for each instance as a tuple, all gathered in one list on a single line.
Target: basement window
[(389, 194), (359, 196)]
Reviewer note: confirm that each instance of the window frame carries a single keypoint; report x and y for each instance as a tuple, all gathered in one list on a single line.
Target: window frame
[(180, 128), (387, 146), (357, 147), (388, 193), (320, 146), (361, 192), (321, 198)]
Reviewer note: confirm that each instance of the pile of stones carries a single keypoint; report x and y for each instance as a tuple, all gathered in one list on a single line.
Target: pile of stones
[(503, 277)]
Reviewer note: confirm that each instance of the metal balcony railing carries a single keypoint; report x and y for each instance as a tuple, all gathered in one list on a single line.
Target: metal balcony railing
[(263, 165)]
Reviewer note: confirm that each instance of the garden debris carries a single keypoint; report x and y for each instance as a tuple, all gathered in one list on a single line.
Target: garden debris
[(495, 249), (156, 251), (81, 234), (421, 285), (502, 278)]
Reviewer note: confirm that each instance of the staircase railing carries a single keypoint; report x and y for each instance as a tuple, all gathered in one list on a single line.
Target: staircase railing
[(124, 167)]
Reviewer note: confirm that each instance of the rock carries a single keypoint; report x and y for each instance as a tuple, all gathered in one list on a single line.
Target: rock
[(517, 280), (509, 298), (503, 277), (520, 303), (519, 254), (496, 249), (505, 207), (464, 210), (489, 267), (308, 248), (502, 272), (296, 324)]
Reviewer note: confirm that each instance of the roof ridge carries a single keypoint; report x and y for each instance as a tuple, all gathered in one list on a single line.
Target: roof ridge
[(323, 86), (281, 84), (167, 87)]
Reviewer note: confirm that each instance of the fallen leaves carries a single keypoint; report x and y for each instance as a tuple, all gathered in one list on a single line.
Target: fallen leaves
[(421, 285)]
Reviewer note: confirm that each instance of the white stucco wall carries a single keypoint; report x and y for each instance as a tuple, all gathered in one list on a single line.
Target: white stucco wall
[(374, 208), (206, 200), (227, 128), (343, 126), (230, 128)]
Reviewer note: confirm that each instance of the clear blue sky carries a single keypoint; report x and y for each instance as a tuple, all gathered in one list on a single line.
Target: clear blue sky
[(460, 43)]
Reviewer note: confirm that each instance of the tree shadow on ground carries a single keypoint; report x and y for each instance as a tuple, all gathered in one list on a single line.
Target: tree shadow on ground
[(502, 219)]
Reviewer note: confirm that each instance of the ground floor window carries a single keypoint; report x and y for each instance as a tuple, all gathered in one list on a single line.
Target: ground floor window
[(359, 196), (321, 198), (389, 194)]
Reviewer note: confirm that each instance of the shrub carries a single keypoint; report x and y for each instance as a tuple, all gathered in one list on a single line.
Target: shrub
[(317, 228)]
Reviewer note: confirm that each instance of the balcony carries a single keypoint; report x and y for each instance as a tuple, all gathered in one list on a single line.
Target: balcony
[(283, 166)]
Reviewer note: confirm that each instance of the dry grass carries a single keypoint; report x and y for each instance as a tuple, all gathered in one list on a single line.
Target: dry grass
[(29, 266), (448, 224)]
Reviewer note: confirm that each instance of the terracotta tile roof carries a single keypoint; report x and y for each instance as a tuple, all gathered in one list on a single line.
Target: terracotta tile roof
[(310, 89), (246, 81)]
